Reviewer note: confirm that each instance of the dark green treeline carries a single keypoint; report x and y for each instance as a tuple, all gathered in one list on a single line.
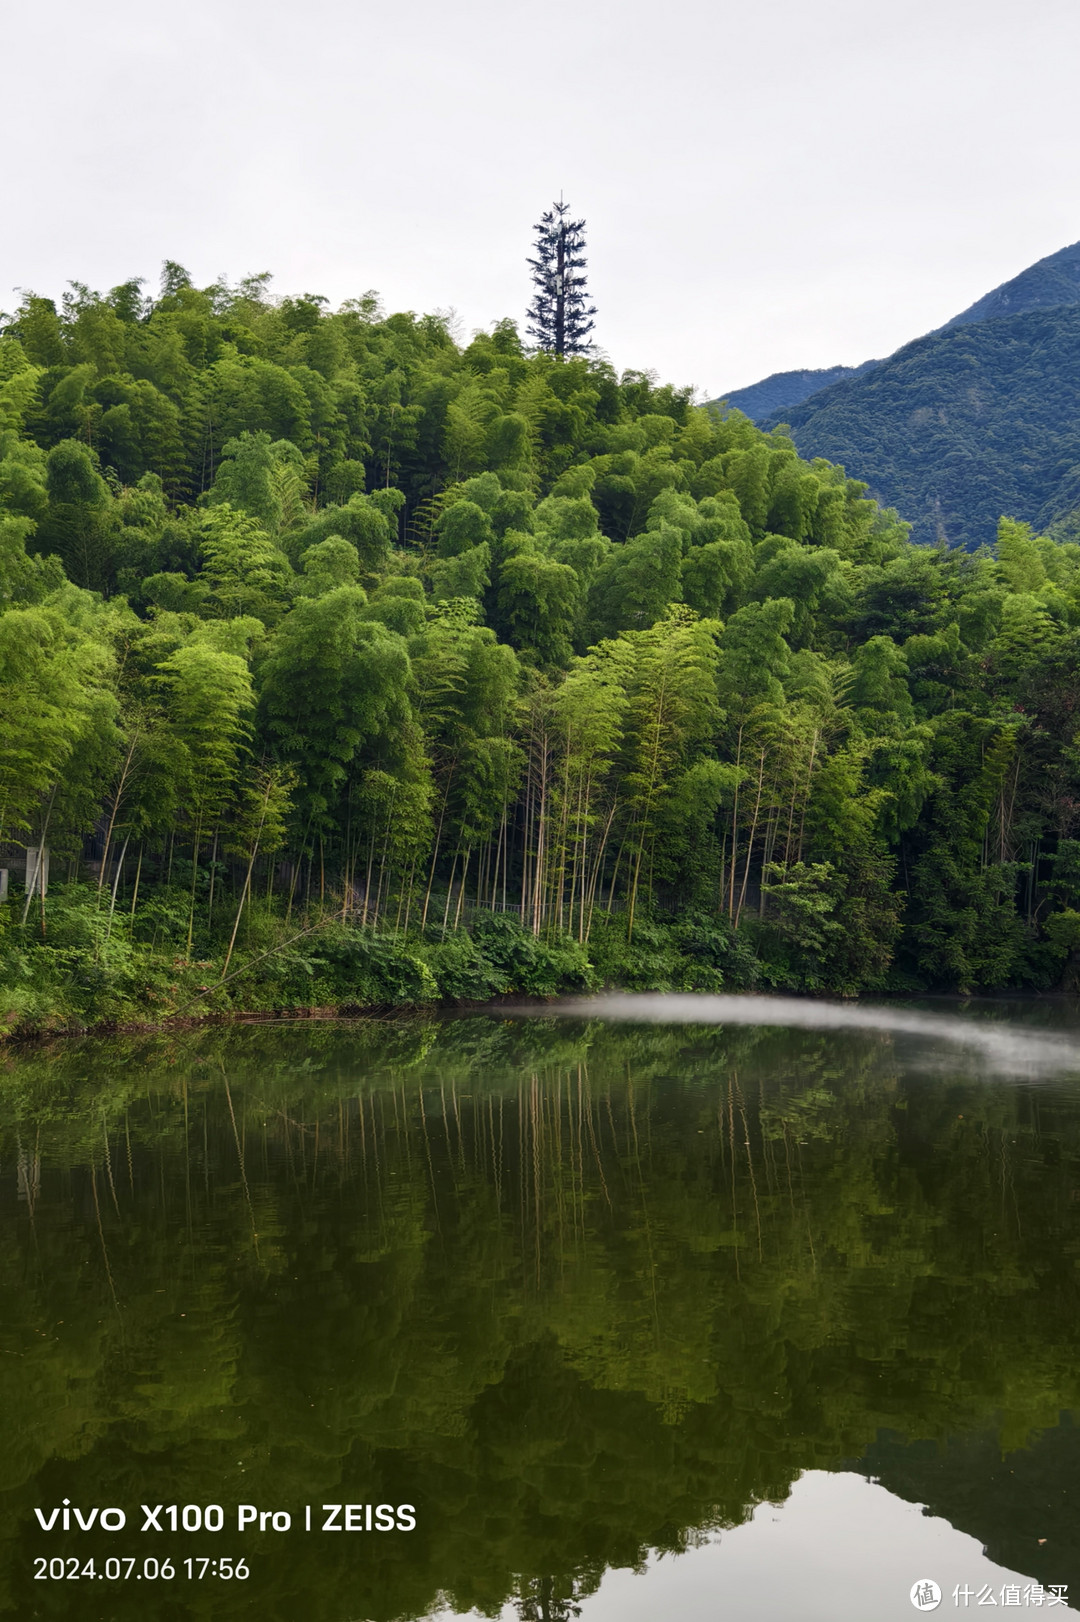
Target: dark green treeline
[(313, 614), (575, 1292)]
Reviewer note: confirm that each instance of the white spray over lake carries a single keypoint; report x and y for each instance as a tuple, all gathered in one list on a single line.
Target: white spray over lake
[(996, 1046)]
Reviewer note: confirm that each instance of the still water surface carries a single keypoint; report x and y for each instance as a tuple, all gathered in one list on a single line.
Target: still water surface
[(654, 1309)]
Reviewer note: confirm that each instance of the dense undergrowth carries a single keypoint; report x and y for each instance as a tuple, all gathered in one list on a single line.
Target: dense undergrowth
[(92, 970)]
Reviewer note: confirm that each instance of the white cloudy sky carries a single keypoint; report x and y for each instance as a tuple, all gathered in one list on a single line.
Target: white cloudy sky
[(767, 183)]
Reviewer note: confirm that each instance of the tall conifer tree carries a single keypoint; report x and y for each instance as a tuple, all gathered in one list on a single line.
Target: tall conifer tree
[(560, 316)]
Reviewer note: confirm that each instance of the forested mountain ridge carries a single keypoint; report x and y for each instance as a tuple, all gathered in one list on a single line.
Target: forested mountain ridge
[(324, 637), (978, 418), (782, 390), (1049, 283), (962, 426)]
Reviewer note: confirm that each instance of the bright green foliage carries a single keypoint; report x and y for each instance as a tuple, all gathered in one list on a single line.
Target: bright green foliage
[(263, 479), (327, 565), (531, 639), (672, 783), (538, 604), (838, 925), (878, 684), (243, 568), (365, 522), (79, 524), (54, 697), (208, 702), (332, 682), (24, 579)]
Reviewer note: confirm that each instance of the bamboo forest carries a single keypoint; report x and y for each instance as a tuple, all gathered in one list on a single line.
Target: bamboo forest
[(347, 664)]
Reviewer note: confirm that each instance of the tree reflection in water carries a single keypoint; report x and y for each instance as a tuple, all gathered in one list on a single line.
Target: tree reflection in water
[(579, 1292), (546, 1600)]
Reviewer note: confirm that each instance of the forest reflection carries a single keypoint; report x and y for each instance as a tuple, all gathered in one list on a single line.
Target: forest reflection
[(579, 1292)]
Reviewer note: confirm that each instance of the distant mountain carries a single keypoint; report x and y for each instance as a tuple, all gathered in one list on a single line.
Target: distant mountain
[(783, 390), (961, 426), (979, 418), (1049, 282)]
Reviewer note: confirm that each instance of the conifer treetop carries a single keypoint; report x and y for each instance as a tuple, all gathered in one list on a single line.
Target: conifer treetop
[(560, 316)]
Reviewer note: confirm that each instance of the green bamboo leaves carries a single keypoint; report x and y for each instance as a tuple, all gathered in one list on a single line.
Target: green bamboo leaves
[(482, 631)]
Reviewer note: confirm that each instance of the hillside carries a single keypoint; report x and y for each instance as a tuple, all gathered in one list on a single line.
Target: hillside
[(782, 390), (962, 426), (1046, 284), (978, 418)]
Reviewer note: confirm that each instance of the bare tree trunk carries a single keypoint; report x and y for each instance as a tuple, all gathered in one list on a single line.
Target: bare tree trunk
[(806, 795), (506, 853), (405, 898), (461, 892), (39, 887), (589, 899), (735, 825), (750, 840), (384, 856), (194, 880), (115, 808), (213, 875), (541, 844), (296, 868), (116, 886), (772, 830), (450, 887), (138, 876), (499, 843), (247, 879), (367, 879), (525, 842), (438, 840)]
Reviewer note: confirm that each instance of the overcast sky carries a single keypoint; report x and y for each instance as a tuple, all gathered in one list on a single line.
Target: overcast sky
[(767, 184)]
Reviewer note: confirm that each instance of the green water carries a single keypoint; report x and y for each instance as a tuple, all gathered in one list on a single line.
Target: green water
[(590, 1296)]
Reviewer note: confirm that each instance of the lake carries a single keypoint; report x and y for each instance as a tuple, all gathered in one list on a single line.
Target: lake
[(627, 1309)]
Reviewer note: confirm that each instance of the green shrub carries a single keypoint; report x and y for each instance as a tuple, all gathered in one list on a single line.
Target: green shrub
[(354, 966), (534, 967), (649, 962), (461, 967), (713, 955)]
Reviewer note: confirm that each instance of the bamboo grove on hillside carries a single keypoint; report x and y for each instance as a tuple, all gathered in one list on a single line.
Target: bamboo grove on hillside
[(317, 619)]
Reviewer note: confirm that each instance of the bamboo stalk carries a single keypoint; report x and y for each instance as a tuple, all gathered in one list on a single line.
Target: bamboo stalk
[(116, 887), (750, 840), (138, 876), (247, 878)]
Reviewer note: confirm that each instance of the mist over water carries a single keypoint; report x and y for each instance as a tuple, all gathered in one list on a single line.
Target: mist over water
[(999, 1049)]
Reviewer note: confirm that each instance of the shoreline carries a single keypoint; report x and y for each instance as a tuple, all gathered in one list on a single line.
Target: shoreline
[(325, 1013), (356, 1013)]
